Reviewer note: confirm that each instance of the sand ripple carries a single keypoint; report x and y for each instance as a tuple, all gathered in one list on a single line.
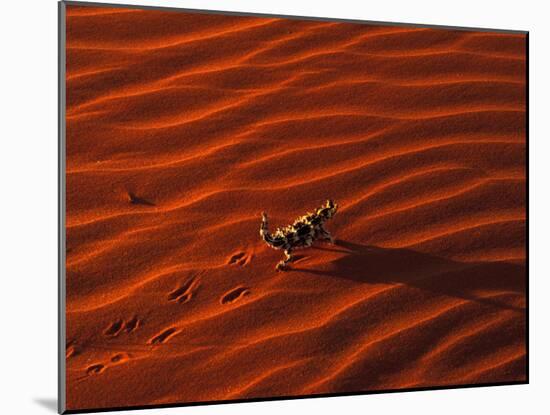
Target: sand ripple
[(182, 128)]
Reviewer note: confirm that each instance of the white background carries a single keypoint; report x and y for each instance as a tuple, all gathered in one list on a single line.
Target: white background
[(28, 204)]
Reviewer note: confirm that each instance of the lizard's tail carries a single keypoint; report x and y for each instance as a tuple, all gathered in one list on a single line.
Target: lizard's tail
[(264, 231)]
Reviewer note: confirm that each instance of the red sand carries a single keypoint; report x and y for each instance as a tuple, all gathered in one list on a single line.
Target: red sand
[(182, 128)]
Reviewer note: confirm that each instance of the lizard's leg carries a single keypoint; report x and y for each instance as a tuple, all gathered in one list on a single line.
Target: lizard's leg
[(282, 264), (326, 235)]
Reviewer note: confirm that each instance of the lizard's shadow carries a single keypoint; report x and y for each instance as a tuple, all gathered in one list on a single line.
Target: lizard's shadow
[(467, 280)]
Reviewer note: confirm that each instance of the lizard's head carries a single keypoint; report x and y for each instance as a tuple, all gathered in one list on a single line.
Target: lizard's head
[(328, 210)]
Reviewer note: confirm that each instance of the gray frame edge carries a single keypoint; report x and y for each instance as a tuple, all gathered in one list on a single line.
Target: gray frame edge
[(61, 237), (315, 18)]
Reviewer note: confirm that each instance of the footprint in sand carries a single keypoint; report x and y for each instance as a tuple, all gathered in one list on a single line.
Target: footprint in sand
[(234, 295), (239, 258), (163, 336), (119, 358), (185, 292), (136, 200), (114, 328), (70, 349), (95, 369), (132, 324), (120, 325), (99, 367)]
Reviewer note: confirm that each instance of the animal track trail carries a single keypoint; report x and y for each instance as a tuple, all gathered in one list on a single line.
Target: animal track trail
[(98, 368), (164, 336), (236, 257), (119, 358), (132, 324), (240, 258), (114, 329), (137, 200), (95, 369), (234, 295), (185, 292), (120, 325), (70, 349)]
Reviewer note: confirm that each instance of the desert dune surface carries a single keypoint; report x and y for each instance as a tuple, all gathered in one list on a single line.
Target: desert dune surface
[(182, 127)]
